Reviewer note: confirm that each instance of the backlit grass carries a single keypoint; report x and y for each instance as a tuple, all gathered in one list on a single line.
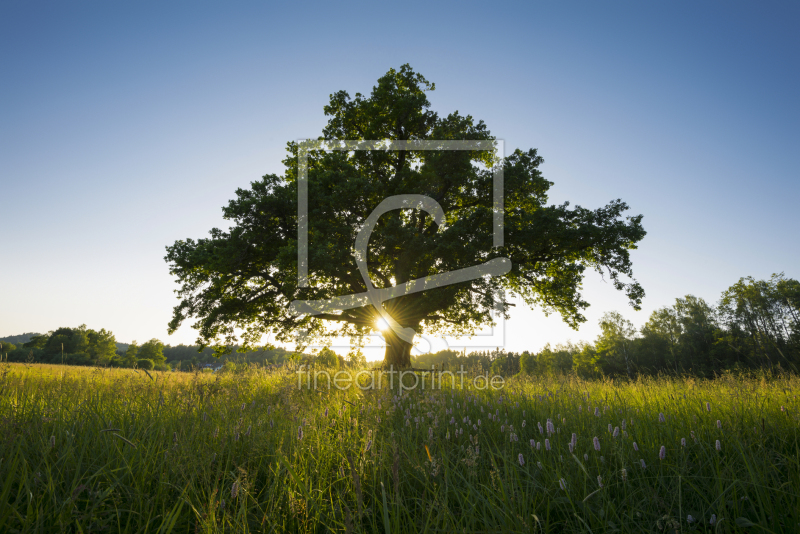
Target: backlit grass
[(88, 450)]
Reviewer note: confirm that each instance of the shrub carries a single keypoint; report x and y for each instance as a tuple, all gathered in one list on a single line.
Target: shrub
[(229, 367), (328, 358), (161, 367), (145, 364)]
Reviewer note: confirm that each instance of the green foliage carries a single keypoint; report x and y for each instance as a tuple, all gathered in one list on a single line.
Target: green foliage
[(102, 347), (527, 363), (505, 365), (5, 346), (763, 318), (145, 364), (327, 358), (613, 345), (152, 350), (36, 342), (131, 354), (245, 278)]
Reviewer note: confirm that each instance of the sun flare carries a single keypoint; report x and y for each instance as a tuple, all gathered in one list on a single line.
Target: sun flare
[(382, 324)]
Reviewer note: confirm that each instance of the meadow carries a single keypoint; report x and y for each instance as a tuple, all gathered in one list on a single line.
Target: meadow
[(120, 450)]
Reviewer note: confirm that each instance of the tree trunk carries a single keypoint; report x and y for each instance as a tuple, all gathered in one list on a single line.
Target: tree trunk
[(398, 352)]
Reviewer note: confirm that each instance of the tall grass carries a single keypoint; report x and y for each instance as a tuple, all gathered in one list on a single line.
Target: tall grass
[(119, 451)]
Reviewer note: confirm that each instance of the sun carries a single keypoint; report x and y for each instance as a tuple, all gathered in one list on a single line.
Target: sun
[(382, 324)]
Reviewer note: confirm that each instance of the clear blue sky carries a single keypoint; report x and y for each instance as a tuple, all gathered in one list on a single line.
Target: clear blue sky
[(127, 126)]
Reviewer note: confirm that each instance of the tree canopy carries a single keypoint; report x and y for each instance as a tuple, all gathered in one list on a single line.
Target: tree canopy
[(247, 277)]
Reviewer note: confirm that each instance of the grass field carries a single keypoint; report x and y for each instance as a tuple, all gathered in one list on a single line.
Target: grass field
[(93, 450)]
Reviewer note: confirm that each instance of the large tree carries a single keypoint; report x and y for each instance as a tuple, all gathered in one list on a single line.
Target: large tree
[(246, 279)]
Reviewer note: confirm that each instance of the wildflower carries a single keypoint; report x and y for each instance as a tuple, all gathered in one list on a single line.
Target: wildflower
[(586, 457), (713, 520), (683, 442), (533, 444), (635, 447), (689, 518), (599, 481), (574, 439), (643, 464), (708, 406), (719, 446), (563, 484), (326, 412), (609, 428), (216, 431), (271, 424), (662, 453), (538, 445), (235, 490), (236, 436), (539, 465), (596, 411), (541, 430), (623, 424), (300, 432), (502, 428), (521, 459), (243, 406), (248, 430), (547, 444), (596, 443), (52, 441), (624, 474), (661, 418), (369, 446), (222, 505), (523, 423), (448, 435), (571, 446), (479, 422), (719, 424)]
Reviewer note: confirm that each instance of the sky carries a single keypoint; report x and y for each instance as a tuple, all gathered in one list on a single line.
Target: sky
[(127, 126)]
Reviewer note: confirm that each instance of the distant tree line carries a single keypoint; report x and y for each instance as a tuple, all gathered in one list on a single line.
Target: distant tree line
[(84, 346), (755, 325)]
